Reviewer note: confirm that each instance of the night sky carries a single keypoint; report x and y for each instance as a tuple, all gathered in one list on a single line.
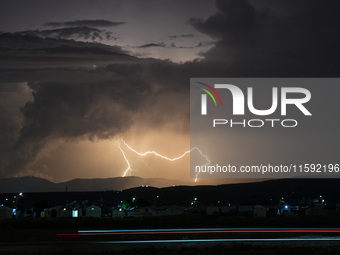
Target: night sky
[(77, 76)]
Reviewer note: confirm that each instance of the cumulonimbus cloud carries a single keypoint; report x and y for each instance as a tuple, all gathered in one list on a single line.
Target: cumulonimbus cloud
[(274, 38), (100, 103)]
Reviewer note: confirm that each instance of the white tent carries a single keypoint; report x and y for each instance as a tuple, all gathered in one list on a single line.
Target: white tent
[(5, 212), (93, 211)]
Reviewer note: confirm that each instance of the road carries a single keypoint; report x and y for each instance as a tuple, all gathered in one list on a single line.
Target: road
[(89, 241)]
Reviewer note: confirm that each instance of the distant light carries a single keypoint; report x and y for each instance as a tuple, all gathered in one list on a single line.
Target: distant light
[(133, 199), (320, 196), (14, 211), (286, 206), (6, 199), (282, 198), (120, 209), (75, 213), (142, 186), (20, 194), (92, 208), (15, 196), (147, 186), (157, 196), (218, 201), (323, 200), (121, 202), (192, 203), (173, 185), (64, 209), (195, 198)]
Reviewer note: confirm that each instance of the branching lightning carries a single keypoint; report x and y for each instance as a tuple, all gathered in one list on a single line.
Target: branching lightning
[(129, 169), (127, 161)]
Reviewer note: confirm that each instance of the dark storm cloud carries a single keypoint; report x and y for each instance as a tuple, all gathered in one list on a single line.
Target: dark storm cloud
[(12, 96), (180, 36), (72, 32), (149, 45), (163, 45), (10, 87), (25, 50), (285, 38), (100, 109), (278, 39), (236, 18), (78, 103), (70, 102), (172, 45), (85, 23)]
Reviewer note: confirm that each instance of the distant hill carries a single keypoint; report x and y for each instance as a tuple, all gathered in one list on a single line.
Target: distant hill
[(34, 184), (94, 190)]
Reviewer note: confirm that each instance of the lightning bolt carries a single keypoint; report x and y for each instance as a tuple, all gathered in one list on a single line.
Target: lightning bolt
[(127, 161), (129, 169)]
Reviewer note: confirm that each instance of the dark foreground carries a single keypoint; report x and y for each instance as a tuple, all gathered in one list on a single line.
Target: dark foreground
[(43, 236), (298, 247)]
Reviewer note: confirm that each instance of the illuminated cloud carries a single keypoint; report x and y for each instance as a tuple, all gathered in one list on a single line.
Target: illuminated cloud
[(64, 90)]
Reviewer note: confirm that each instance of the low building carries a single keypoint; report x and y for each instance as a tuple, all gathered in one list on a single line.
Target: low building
[(157, 213), (118, 213), (64, 212), (213, 210), (77, 212), (245, 210), (5, 212), (140, 212), (317, 211), (260, 211), (29, 213), (176, 210), (93, 211), (50, 212), (225, 209), (57, 211)]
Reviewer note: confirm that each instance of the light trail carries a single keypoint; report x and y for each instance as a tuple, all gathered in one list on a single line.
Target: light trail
[(211, 229), (202, 231), (224, 240), (129, 169)]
